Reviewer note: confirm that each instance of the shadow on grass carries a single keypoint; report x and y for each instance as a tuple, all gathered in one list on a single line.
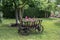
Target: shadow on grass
[(7, 27), (33, 34), (12, 33), (49, 19), (57, 24), (4, 25)]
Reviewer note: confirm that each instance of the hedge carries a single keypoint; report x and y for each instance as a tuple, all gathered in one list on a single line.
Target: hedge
[(31, 12)]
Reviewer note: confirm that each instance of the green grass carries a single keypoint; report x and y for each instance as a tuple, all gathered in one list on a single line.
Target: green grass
[(51, 31)]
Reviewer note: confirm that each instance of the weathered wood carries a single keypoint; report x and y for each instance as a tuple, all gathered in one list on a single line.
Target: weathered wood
[(26, 28), (29, 23)]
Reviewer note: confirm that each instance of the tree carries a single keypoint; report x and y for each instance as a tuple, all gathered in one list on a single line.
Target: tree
[(52, 6), (17, 6), (58, 2), (0, 5), (20, 6)]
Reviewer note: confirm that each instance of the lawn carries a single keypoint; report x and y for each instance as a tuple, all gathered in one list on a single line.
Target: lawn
[(51, 31)]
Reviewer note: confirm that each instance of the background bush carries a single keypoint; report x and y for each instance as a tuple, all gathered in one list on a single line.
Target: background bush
[(31, 12)]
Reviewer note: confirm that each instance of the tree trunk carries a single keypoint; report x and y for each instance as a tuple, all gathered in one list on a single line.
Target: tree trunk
[(20, 14), (16, 11), (16, 14), (45, 14)]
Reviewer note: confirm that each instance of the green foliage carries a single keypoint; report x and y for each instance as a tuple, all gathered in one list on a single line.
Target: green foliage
[(52, 6), (8, 7), (43, 4), (31, 12), (58, 2), (0, 5)]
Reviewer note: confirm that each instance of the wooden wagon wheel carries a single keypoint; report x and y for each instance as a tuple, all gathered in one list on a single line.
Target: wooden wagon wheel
[(40, 28), (23, 30)]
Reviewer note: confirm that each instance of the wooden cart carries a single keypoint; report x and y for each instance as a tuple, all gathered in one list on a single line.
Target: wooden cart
[(27, 26)]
